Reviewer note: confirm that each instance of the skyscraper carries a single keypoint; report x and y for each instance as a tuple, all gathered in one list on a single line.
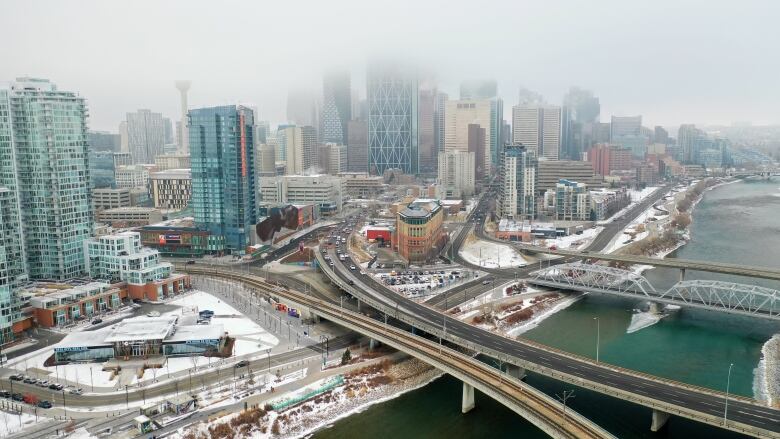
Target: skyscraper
[(357, 146), (392, 119), (518, 176), (538, 128), (302, 107), (625, 126), (298, 144), (458, 116), (584, 107), (183, 133), (223, 174), (686, 138), (439, 120), (336, 107), (45, 162), (145, 135), (427, 129)]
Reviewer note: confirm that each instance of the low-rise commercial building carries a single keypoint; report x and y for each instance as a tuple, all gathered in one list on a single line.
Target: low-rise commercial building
[(122, 217), (61, 304), (180, 237), (324, 191), (172, 161), (551, 171), (131, 176), (141, 337), (361, 184), (419, 231), (107, 198)]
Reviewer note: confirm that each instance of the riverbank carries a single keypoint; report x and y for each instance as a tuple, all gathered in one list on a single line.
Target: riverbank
[(346, 395)]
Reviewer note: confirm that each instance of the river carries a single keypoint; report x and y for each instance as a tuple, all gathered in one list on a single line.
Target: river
[(733, 223)]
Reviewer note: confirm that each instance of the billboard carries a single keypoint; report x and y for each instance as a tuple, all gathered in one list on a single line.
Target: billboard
[(278, 219), (169, 239)]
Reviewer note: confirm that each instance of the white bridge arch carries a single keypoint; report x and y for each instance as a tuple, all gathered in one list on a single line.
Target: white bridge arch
[(727, 297)]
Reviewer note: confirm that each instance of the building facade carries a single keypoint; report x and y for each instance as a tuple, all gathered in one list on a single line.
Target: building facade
[(103, 199), (132, 176), (456, 174), (145, 135), (323, 191), (223, 173), (45, 162), (419, 231), (517, 190), (171, 189), (336, 107), (357, 146), (538, 128), (172, 161), (392, 119)]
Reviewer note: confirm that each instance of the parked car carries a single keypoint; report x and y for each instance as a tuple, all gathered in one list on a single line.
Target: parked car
[(16, 377), (44, 404), (44, 383), (97, 321), (153, 314), (30, 380), (17, 397), (55, 386), (191, 262), (5, 394), (78, 391), (352, 267), (242, 363)]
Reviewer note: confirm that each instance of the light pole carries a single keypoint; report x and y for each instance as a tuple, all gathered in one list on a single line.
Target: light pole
[(728, 382), (598, 336)]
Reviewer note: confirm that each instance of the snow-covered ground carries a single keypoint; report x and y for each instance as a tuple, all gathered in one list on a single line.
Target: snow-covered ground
[(766, 384), (10, 423), (636, 198), (491, 254), (251, 339), (642, 320), (574, 241)]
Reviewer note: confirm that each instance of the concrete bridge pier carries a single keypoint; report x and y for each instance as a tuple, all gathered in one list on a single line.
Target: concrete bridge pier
[(659, 420), (655, 307), (468, 398), (515, 371), (682, 274)]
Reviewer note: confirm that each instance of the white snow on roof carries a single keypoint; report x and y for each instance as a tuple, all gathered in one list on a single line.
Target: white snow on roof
[(142, 328), (197, 332)]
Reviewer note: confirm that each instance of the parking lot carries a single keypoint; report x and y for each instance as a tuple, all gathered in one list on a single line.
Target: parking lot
[(422, 283)]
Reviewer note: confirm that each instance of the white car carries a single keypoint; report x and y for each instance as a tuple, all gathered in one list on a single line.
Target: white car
[(153, 314), (352, 267)]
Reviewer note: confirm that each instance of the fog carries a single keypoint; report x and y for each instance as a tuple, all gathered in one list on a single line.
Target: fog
[(673, 62)]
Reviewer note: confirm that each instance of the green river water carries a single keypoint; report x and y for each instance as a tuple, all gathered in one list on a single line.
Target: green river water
[(737, 223)]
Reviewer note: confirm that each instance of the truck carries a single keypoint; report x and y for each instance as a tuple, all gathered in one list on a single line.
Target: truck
[(292, 312)]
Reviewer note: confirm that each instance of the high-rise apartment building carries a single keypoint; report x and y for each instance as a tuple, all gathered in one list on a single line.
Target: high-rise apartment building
[(45, 162), (336, 107), (171, 189), (145, 135), (538, 128), (456, 174), (517, 191), (607, 158), (392, 119), (476, 145), (223, 175), (298, 144), (687, 136)]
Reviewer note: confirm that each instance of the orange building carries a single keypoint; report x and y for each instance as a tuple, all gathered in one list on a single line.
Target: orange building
[(419, 232), (59, 307)]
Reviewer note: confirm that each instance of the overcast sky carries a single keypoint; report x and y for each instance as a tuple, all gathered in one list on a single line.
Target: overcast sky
[(670, 61)]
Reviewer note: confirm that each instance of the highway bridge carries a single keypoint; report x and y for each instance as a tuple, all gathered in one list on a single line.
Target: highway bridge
[(729, 297), (664, 396), (504, 386)]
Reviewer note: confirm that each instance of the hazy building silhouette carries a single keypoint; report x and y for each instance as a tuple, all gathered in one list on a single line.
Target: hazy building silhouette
[(357, 146), (145, 135), (336, 107)]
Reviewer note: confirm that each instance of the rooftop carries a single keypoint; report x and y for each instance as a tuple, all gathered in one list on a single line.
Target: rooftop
[(197, 332), (141, 328)]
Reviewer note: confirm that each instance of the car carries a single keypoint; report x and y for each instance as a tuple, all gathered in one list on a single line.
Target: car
[(153, 314), (350, 282), (203, 322), (136, 300), (5, 394), (97, 321), (352, 267), (486, 282), (44, 383), (44, 404), (17, 397), (55, 386), (78, 391), (191, 262), (242, 363), (30, 380), (16, 377)]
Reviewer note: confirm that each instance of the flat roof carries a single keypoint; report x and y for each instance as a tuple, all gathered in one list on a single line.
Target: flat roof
[(196, 332), (141, 328), (82, 339)]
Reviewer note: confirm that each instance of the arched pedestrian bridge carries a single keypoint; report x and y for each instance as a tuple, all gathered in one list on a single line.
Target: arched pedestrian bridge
[(727, 297)]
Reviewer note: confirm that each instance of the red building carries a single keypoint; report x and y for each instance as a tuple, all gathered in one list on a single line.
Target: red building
[(385, 234), (607, 158)]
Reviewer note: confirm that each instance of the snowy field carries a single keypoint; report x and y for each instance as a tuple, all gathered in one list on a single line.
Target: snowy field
[(10, 423), (251, 339), (574, 241), (491, 254)]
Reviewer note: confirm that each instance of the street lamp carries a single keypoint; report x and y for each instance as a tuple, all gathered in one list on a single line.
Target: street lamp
[(728, 382), (563, 398), (598, 336)]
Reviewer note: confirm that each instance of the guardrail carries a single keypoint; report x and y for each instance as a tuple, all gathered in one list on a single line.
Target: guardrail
[(647, 401)]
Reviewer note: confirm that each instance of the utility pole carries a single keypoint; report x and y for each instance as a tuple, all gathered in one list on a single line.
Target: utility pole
[(598, 336), (567, 394), (728, 382)]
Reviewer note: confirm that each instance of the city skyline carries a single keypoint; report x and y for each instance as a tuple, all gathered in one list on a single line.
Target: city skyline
[(674, 77)]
